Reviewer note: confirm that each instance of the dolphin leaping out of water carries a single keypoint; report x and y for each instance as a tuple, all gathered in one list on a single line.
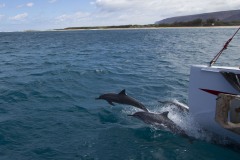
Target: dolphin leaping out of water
[(122, 98), (160, 121)]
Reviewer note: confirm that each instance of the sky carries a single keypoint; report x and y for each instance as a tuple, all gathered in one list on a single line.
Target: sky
[(20, 15)]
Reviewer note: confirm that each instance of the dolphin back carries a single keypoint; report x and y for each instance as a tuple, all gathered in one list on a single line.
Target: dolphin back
[(158, 120), (133, 102), (122, 98)]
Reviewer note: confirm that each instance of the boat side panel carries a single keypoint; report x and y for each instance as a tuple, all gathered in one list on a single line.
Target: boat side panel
[(202, 104)]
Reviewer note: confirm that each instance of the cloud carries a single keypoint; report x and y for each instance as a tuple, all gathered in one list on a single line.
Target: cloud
[(110, 5), (1, 16), (142, 11), (19, 17), (2, 5), (52, 1), (30, 4), (164, 5), (72, 17)]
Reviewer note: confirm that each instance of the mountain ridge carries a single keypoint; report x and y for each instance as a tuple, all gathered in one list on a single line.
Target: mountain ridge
[(224, 16)]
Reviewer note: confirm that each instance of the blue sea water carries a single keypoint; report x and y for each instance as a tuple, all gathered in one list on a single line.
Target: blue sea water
[(49, 82)]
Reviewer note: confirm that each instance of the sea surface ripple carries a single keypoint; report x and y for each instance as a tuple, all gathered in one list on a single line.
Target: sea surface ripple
[(49, 82)]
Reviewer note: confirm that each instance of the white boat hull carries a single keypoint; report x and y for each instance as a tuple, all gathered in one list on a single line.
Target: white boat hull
[(205, 83)]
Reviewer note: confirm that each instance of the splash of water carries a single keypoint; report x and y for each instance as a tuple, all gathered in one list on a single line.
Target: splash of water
[(184, 120)]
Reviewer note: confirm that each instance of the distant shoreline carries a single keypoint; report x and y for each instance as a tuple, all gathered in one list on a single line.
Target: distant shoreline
[(139, 28), (132, 28)]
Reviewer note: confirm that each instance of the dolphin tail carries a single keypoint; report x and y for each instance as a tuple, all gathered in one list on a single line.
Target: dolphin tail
[(142, 107)]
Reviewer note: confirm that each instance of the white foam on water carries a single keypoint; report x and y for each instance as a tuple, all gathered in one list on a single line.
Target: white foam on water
[(183, 120)]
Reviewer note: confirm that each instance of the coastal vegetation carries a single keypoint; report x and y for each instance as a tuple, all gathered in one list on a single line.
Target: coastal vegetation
[(194, 23)]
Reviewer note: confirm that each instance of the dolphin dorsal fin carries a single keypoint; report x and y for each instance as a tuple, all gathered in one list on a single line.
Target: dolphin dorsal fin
[(165, 113), (123, 92)]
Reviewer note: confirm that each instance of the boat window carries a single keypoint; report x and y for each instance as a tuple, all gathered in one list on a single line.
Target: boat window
[(233, 79)]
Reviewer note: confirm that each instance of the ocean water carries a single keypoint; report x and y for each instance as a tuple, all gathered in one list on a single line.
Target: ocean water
[(49, 82)]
